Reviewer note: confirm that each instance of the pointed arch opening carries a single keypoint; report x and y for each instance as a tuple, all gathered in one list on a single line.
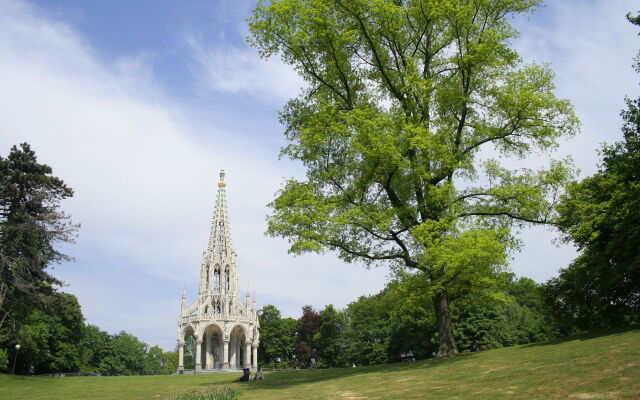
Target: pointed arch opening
[(216, 278), (188, 341), (239, 357), (212, 351)]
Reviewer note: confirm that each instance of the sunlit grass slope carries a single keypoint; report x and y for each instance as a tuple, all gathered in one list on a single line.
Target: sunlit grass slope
[(583, 367)]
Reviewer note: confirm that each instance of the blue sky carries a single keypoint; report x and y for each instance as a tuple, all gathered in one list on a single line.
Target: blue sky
[(137, 105)]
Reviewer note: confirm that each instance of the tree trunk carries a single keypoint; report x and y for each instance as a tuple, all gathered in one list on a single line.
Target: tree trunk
[(447, 345)]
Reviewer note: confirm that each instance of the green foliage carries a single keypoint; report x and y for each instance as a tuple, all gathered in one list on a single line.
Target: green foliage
[(327, 340), (400, 319), (277, 337), (189, 352), (122, 354), (4, 359), (413, 326), (365, 337), (224, 393), (601, 216), (170, 364), (93, 348), (157, 361), (520, 317), (126, 354), (50, 337), (402, 97)]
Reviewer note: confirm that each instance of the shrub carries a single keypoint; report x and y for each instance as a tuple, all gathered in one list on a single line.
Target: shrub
[(4, 359), (223, 393)]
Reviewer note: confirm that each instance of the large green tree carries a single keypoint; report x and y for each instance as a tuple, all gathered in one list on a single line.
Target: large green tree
[(403, 97), (31, 225)]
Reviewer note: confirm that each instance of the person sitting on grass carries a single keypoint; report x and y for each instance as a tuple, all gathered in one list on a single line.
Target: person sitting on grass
[(244, 377), (258, 374)]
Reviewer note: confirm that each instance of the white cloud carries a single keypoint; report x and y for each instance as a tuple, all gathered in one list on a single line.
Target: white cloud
[(590, 46), (229, 69)]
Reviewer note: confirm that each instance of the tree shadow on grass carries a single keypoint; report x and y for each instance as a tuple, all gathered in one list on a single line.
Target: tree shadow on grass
[(584, 336), (286, 379)]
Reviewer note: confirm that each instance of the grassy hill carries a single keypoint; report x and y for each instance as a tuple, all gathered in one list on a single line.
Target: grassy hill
[(583, 367)]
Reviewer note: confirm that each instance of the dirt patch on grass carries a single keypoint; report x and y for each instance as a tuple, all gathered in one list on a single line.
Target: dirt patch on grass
[(489, 371), (411, 378), (585, 395), (351, 396)]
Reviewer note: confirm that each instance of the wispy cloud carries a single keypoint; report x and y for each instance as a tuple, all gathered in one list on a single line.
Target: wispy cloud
[(590, 46), (230, 69)]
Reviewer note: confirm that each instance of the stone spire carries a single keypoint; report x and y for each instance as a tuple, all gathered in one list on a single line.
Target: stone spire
[(219, 269), (220, 239)]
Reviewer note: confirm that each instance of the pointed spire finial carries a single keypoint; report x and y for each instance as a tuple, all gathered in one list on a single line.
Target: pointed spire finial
[(221, 183)]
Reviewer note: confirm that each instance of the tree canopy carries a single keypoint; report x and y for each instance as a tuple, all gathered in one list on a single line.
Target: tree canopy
[(403, 98)]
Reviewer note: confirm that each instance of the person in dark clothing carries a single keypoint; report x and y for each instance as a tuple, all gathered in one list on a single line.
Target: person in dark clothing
[(244, 377), (313, 358)]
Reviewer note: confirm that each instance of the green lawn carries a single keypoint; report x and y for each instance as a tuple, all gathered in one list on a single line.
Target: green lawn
[(583, 367)]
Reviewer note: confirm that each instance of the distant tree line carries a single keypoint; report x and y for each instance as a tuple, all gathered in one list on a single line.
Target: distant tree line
[(54, 339), (380, 328), (48, 324)]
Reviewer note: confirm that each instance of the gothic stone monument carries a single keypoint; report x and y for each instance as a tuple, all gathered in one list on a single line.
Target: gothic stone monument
[(224, 328)]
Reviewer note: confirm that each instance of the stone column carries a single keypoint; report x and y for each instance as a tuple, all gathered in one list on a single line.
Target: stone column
[(247, 354), (208, 355), (180, 356), (238, 349), (232, 354), (255, 356), (198, 355), (225, 354)]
